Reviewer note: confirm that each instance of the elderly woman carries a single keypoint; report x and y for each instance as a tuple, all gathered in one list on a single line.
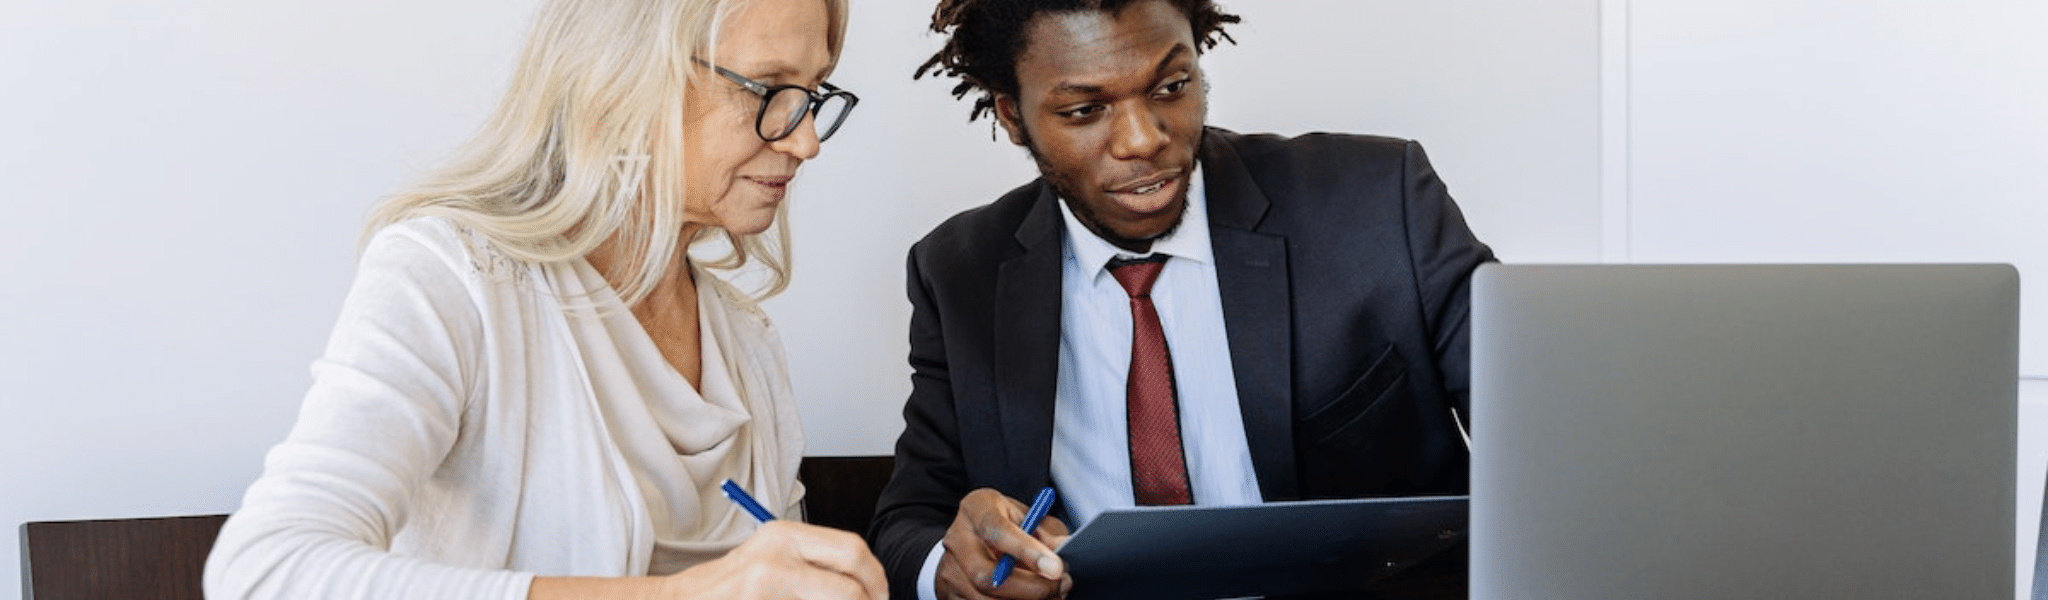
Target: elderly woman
[(534, 390)]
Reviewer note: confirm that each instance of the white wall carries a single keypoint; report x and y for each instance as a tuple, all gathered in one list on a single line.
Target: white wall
[(1831, 131), (184, 182)]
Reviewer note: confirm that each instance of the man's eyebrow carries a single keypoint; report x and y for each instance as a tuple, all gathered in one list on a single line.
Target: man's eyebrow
[(1076, 89), (1167, 61), (1165, 64)]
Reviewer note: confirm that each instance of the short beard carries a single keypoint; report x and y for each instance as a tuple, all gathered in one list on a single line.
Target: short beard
[(1086, 215)]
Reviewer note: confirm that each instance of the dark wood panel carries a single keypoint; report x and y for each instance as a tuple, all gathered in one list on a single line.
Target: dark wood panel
[(118, 559), (841, 490)]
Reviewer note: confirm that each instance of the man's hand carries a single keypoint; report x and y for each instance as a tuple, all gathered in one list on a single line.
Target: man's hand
[(988, 526)]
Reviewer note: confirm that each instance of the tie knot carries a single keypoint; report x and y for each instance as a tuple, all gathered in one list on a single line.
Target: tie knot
[(1137, 275)]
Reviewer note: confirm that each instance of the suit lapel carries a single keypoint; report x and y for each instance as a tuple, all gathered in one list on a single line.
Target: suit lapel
[(1251, 273), (1027, 337)]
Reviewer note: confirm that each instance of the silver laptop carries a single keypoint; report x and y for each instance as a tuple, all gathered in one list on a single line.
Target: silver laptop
[(1744, 431)]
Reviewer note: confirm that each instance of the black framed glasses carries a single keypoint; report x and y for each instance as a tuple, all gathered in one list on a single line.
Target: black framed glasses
[(783, 106)]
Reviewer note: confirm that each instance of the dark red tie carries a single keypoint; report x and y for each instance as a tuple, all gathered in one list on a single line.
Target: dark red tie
[(1159, 471)]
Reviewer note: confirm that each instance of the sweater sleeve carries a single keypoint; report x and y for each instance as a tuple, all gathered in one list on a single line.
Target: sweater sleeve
[(384, 410)]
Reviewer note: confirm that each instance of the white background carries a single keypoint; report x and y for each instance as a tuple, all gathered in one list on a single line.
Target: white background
[(183, 183)]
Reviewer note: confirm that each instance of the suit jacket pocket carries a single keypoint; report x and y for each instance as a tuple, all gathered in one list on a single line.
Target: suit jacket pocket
[(1345, 414)]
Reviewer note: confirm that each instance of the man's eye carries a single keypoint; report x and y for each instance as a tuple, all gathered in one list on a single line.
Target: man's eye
[(1173, 88), (1084, 111)]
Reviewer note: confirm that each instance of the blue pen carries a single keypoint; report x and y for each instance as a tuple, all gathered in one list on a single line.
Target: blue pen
[(1039, 506), (740, 497)]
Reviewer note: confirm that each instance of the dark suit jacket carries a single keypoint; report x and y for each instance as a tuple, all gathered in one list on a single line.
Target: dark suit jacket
[(1343, 266)]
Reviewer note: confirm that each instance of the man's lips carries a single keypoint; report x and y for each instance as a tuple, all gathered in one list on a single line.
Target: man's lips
[(1147, 184), (1148, 195)]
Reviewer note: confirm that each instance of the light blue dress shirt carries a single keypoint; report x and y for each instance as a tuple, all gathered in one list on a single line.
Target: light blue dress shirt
[(1091, 456)]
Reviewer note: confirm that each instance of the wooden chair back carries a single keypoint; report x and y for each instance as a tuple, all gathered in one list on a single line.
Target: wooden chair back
[(840, 491), (159, 558)]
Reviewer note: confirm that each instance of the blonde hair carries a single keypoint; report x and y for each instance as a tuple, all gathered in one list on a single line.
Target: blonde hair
[(587, 144)]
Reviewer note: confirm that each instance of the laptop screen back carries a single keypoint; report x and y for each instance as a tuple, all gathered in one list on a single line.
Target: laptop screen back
[(1744, 431)]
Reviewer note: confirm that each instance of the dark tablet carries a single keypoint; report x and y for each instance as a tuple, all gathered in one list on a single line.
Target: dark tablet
[(1262, 550)]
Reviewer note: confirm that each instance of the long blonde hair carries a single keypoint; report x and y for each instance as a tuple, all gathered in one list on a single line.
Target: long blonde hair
[(587, 144)]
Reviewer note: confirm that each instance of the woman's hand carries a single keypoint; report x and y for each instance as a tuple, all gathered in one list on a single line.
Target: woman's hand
[(787, 560)]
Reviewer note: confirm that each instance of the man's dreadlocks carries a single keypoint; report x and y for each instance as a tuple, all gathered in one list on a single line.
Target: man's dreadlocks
[(986, 36)]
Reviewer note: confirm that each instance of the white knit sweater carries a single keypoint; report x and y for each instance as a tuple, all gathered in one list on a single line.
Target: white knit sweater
[(477, 420)]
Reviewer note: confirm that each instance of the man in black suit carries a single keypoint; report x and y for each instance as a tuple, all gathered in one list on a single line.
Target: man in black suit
[(1171, 313)]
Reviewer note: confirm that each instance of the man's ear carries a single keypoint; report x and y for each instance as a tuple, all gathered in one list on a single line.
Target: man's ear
[(1011, 118)]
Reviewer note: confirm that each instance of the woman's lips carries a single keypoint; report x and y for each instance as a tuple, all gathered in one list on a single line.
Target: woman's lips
[(776, 185), (774, 182)]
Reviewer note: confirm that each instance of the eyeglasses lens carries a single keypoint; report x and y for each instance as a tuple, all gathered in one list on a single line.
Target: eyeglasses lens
[(784, 111)]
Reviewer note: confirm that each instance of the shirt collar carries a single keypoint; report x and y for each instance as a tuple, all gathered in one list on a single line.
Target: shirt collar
[(1189, 241)]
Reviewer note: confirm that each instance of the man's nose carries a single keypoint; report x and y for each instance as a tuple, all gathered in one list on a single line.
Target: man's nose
[(1137, 131)]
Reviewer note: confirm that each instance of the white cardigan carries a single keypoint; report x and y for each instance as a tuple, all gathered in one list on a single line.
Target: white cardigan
[(477, 420)]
